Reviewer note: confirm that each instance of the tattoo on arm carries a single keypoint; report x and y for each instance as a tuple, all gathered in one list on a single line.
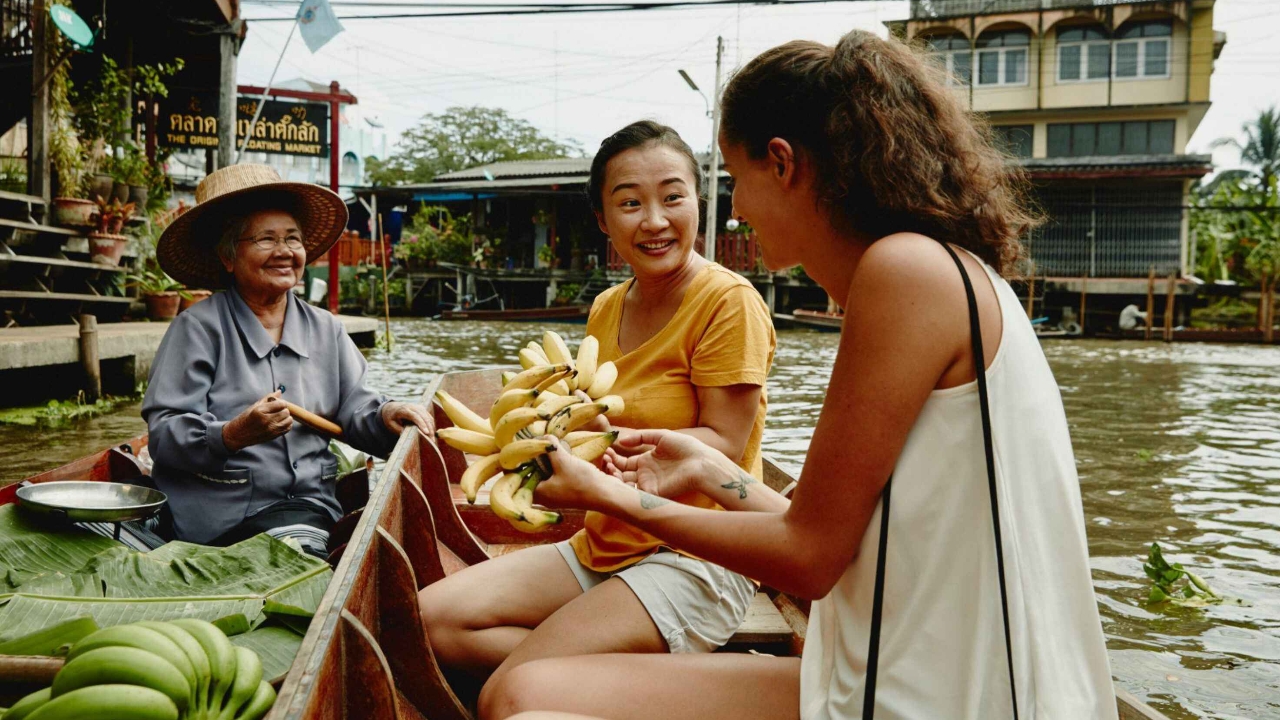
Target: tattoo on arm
[(740, 484), (649, 502)]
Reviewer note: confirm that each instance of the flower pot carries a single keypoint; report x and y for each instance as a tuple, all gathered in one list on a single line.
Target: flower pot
[(74, 212), (106, 248), (162, 306), (193, 297), (100, 186), (138, 196), (120, 191)]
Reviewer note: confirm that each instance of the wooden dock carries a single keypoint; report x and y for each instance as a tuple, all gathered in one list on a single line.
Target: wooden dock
[(127, 348)]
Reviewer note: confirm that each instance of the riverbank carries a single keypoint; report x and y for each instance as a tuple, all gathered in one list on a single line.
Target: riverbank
[(43, 363)]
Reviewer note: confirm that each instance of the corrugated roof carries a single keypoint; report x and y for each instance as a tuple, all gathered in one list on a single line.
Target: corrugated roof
[(481, 185), (303, 84), (520, 169), (1119, 166), (1118, 161)]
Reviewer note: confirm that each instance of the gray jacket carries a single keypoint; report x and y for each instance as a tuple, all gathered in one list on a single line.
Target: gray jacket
[(216, 359)]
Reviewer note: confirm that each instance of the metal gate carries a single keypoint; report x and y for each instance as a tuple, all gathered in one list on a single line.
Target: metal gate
[(1104, 230)]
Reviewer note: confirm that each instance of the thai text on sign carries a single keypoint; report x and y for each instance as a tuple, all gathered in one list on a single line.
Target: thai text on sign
[(283, 127)]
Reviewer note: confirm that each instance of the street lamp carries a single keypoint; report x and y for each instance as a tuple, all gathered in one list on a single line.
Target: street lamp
[(713, 191), (694, 86)]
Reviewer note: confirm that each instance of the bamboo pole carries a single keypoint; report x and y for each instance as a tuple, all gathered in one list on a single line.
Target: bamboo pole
[(1084, 295), (1151, 299), (1268, 299), (386, 302), (1169, 300)]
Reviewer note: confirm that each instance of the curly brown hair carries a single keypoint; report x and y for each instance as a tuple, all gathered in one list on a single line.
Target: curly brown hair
[(894, 148)]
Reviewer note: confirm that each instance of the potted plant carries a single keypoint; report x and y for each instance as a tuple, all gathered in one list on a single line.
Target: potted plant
[(547, 256), (566, 294), (13, 175), (418, 252), (160, 292), (70, 207), (191, 297), (106, 244), (133, 171)]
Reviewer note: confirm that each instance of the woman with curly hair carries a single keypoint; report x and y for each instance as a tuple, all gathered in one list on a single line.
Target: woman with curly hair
[(969, 596)]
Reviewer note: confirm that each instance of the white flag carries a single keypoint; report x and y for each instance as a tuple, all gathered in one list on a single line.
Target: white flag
[(317, 23)]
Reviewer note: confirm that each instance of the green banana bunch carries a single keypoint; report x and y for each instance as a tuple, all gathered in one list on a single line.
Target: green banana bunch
[(537, 401), (108, 702), (178, 670)]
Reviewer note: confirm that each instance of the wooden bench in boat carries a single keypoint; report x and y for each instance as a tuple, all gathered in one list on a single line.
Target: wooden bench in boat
[(366, 654)]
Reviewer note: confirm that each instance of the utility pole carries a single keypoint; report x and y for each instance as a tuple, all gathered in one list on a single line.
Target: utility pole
[(228, 49), (713, 182), (38, 174)]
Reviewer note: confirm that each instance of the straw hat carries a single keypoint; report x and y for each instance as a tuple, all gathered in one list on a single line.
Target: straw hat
[(186, 249)]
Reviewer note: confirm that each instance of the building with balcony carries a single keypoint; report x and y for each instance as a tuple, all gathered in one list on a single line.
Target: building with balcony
[(1097, 100)]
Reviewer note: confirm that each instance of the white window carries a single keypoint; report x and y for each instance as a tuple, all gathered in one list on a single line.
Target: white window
[(1084, 53), (1142, 50), (953, 54), (1002, 57), (350, 171)]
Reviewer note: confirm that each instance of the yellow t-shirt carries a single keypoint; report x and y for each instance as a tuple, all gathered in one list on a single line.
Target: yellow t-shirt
[(721, 335)]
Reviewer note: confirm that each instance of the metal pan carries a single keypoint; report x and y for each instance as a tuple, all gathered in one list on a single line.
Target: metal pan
[(91, 501)]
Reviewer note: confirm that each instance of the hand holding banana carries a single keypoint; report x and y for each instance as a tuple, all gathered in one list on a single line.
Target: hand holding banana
[(535, 405), (178, 670)]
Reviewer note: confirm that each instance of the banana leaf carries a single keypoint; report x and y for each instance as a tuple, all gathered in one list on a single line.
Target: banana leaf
[(115, 585), (276, 646), (26, 614), (29, 550)]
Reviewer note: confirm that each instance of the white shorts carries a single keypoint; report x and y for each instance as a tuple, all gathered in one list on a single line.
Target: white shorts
[(696, 605)]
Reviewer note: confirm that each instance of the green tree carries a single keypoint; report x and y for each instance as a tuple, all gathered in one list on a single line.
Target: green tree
[(1237, 227), (463, 137), (1261, 146)]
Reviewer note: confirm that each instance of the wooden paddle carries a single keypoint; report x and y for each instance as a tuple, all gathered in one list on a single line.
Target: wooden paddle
[(314, 421)]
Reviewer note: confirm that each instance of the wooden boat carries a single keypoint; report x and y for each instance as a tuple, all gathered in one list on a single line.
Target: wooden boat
[(819, 320), (123, 463), (366, 654), (564, 313), (115, 464)]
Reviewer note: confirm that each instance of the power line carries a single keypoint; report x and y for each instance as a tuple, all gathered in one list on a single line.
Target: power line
[(563, 8)]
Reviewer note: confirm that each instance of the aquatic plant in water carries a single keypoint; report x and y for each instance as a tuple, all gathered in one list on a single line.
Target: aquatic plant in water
[(1193, 592)]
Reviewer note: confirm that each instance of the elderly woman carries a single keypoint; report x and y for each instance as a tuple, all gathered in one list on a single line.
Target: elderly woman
[(227, 451)]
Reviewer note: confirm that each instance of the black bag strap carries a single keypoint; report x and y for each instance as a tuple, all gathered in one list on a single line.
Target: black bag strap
[(877, 606)]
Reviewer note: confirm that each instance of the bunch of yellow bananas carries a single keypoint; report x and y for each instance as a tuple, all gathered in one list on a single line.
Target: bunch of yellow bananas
[(181, 669), (539, 401)]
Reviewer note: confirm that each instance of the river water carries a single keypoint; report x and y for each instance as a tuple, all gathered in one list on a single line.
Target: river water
[(1176, 444)]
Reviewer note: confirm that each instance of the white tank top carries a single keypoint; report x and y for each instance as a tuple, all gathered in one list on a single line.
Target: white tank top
[(942, 650)]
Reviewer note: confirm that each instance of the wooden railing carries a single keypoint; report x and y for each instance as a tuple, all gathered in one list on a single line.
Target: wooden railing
[(738, 252), (354, 250)]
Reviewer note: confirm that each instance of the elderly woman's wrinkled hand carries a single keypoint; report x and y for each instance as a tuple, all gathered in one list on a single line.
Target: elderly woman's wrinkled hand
[(261, 422), (399, 415)]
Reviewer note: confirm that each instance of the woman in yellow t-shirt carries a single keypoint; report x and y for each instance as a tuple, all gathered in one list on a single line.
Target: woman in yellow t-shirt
[(693, 343)]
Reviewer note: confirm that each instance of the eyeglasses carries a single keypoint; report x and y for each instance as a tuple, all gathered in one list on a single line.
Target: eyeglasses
[(293, 242)]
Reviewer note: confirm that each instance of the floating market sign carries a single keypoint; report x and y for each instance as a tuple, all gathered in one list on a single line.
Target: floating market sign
[(284, 127)]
